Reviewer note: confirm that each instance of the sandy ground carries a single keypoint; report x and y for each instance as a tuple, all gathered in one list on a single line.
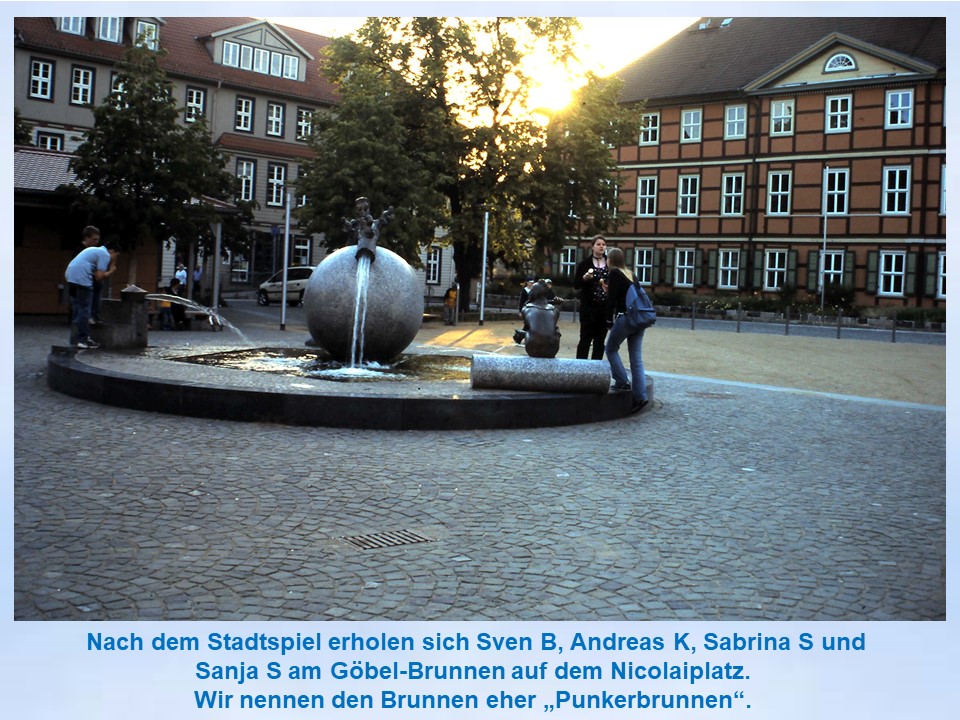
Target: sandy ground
[(893, 371)]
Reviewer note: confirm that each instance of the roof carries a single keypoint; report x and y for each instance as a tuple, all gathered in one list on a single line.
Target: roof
[(187, 56), (36, 170), (729, 54)]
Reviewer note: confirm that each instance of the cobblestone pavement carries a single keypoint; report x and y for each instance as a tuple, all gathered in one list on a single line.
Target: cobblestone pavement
[(724, 501)]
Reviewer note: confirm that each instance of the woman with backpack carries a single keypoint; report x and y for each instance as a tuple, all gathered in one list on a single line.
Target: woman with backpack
[(618, 283)]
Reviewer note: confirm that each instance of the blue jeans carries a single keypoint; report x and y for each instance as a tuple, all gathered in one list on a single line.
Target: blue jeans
[(81, 300), (618, 333)]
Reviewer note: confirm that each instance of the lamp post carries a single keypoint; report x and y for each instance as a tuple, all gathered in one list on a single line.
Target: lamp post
[(823, 250), (286, 259), (483, 269)]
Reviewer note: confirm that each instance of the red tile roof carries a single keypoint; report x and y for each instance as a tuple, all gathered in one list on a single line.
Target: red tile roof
[(187, 56), (238, 143), (36, 170), (725, 58)]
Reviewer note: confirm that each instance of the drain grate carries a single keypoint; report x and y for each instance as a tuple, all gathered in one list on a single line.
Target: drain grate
[(375, 541)]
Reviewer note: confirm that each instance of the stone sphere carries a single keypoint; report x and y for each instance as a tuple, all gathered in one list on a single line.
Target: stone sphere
[(394, 305)]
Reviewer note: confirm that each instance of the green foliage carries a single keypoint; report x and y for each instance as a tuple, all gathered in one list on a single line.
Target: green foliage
[(142, 176), (21, 129)]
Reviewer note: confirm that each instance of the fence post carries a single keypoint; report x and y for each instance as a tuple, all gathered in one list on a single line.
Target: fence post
[(839, 317), (786, 324), (739, 314), (893, 330), (693, 314)]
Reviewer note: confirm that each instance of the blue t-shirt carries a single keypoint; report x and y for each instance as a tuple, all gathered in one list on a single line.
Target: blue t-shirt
[(81, 268)]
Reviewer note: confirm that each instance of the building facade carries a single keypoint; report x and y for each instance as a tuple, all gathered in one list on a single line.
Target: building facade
[(782, 155), (257, 85)]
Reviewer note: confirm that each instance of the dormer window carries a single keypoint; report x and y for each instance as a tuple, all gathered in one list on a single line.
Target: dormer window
[(841, 62), (72, 25), (109, 29), (261, 60), (147, 34)]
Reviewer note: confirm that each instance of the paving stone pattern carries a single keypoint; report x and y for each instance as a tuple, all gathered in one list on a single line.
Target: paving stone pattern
[(722, 502)]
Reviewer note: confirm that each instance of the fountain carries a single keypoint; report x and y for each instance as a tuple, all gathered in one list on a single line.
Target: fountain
[(363, 307)]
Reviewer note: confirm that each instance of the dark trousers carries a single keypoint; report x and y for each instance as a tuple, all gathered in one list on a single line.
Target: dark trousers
[(81, 301), (593, 331)]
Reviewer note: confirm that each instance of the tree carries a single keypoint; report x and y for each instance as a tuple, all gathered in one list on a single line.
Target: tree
[(460, 143), (141, 175), (21, 129)]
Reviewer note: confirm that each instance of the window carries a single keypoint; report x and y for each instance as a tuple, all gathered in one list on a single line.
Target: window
[(41, 80), (110, 28), (244, 116), (239, 268), (147, 34), (735, 125), (301, 177), (643, 266), (301, 254), (246, 172), (899, 109), (942, 275), (650, 129), (276, 64), (49, 141), (892, 272), (943, 189), (896, 190), (729, 278), (838, 114), (689, 197), (836, 191), (276, 182), (778, 193), (781, 117), (646, 196), (833, 267), (840, 63), (261, 60), (434, 255), (568, 261), (275, 119), (304, 123), (731, 202), (196, 102), (774, 269), (81, 86), (690, 125), (72, 25), (246, 57), (291, 67), (231, 54), (684, 271), (610, 199)]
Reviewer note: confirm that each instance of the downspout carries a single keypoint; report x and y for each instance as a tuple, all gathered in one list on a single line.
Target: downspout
[(754, 208)]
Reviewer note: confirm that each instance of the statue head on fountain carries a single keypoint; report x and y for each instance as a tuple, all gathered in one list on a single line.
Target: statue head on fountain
[(359, 310), (365, 229)]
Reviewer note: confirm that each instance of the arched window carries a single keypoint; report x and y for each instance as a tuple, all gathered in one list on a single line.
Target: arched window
[(840, 63)]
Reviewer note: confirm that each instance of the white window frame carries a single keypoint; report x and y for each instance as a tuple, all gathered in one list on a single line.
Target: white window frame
[(836, 194), (195, 104), (735, 122), (72, 25), (841, 62), (684, 269), (731, 194), (647, 196), (650, 129), (942, 275), (774, 270), (276, 184), (49, 141), (301, 176), (276, 64), (610, 200), (231, 54), (275, 113), (688, 196), (304, 123), (781, 195), (239, 267), (896, 190), (247, 173), (243, 114), (301, 250), (832, 267), (110, 29), (892, 273), (433, 264), (246, 57), (568, 260), (781, 118), (291, 67), (41, 79), (838, 114), (643, 265), (728, 269), (150, 32), (261, 61), (898, 110), (81, 85), (691, 125)]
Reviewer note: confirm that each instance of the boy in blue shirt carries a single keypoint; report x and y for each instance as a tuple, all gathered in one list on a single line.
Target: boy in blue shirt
[(91, 264)]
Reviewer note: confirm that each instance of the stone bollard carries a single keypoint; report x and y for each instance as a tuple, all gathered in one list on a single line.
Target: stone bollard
[(124, 320), (540, 374)]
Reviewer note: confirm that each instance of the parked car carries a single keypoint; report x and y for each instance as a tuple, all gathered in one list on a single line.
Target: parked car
[(272, 290)]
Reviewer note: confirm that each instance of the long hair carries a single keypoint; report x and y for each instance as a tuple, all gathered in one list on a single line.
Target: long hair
[(615, 260)]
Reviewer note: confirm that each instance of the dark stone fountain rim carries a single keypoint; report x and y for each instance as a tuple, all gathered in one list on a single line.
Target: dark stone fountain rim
[(68, 372)]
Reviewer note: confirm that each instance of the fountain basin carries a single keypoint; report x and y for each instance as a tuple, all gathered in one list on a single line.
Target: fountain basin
[(155, 384)]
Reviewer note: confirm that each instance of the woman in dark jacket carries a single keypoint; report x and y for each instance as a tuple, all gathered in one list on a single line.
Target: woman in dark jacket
[(619, 282), (589, 278)]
